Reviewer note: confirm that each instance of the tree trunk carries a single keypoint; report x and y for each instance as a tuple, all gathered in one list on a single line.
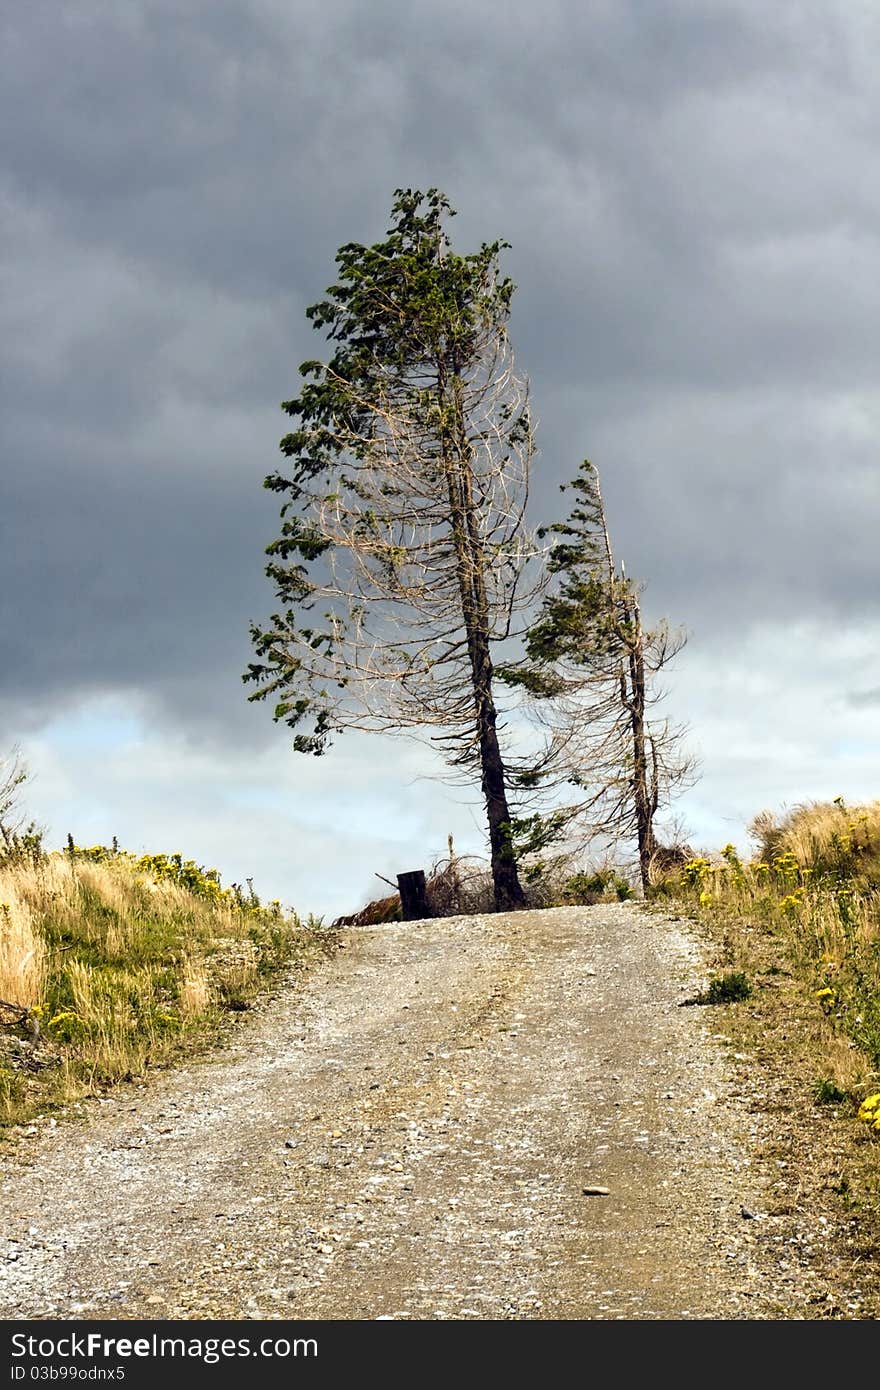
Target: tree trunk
[(645, 790), (471, 560), (508, 890), (644, 797)]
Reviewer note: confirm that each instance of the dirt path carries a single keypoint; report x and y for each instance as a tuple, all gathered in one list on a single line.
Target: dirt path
[(410, 1136)]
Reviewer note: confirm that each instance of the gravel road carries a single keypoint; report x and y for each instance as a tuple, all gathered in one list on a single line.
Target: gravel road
[(411, 1133)]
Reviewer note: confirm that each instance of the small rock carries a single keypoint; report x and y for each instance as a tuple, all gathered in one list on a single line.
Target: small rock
[(596, 1191), (748, 1215), (291, 1143)]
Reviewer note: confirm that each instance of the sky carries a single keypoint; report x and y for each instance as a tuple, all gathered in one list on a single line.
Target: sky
[(691, 190)]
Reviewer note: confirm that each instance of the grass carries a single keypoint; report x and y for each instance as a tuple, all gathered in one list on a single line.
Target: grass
[(833, 841), (23, 952), (112, 964), (800, 923), (814, 885)]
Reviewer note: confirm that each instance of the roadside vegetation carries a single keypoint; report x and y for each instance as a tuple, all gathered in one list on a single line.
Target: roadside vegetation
[(813, 889), (112, 964), (796, 933)]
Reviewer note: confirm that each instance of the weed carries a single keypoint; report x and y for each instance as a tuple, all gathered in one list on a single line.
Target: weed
[(728, 988), (827, 1092)]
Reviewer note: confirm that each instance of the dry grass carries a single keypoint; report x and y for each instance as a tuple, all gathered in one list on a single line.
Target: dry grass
[(828, 838), (124, 970), (195, 995), (814, 888), (23, 954), (802, 922)]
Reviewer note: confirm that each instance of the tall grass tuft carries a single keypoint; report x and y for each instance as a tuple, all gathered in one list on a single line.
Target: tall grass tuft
[(23, 953), (831, 839)]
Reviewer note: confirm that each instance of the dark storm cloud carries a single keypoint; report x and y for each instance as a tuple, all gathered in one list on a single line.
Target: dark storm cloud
[(690, 194), (131, 583)]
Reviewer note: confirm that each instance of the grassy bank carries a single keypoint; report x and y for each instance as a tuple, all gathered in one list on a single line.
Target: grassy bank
[(112, 964), (814, 887), (796, 934)]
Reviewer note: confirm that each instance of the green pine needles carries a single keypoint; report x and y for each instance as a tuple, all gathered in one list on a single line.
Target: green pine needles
[(403, 557)]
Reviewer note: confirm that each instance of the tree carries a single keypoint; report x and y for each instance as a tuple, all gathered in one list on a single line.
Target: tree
[(591, 670), (403, 557), (13, 776), (21, 839)]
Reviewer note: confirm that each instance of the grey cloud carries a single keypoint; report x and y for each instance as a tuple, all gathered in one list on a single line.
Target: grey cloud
[(690, 196), (864, 699), (754, 509)]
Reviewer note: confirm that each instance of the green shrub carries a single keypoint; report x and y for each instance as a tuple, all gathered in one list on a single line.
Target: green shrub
[(827, 1092), (586, 888), (728, 988)]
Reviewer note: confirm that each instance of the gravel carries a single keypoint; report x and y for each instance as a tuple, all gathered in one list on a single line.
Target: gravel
[(496, 1117)]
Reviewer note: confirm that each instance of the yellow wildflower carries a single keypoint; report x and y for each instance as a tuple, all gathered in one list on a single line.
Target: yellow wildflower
[(827, 999), (869, 1110)]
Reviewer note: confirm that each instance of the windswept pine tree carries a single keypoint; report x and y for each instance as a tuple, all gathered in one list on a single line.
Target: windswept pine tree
[(403, 558), (591, 668)]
